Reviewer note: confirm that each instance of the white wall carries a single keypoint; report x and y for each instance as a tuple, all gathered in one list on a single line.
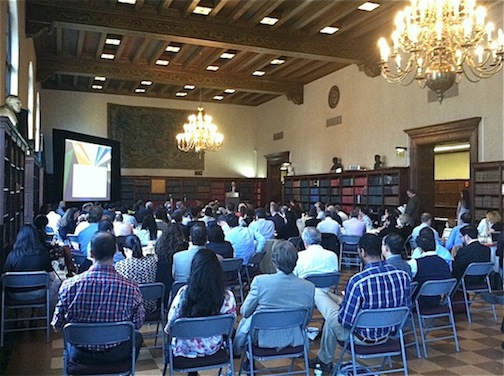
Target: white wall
[(87, 113), (375, 115)]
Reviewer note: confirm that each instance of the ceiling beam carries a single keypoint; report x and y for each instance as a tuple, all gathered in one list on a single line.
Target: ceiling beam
[(48, 66), (195, 31)]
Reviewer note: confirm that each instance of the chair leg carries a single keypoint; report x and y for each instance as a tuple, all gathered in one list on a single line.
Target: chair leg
[(422, 334), (415, 336), (454, 328), (164, 369), (468, 307)]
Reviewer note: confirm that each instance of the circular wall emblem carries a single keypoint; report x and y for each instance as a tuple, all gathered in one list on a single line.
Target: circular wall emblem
[(334, 96)]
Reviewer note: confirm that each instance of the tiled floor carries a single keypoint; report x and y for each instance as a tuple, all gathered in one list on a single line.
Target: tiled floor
[(480, 352)]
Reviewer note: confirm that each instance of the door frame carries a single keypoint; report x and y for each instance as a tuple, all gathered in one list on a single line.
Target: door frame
[(275, 161)]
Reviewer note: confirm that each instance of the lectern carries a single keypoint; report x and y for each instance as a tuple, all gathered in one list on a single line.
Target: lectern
[(233, 197)]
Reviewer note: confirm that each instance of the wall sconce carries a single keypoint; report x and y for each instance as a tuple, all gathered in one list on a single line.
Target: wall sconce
[(400, 151)]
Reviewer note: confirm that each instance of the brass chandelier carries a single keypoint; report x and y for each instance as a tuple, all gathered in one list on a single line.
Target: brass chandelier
[(200, 134), (436, 42)]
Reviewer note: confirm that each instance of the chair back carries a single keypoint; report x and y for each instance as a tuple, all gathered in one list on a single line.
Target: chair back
[(438, 287), (381, 318), (349, 241), (256, 258), (279, 319), (413, 288), (95, 334), (74, 241), (202, 327), (330, 242), (298, 242), (21, 280), (232, 264), (152, 291), (324, 280), (408, 246), (479, 269), (175, 287)]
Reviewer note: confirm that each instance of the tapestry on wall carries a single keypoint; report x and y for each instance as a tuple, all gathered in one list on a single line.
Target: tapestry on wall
[(147, 137)]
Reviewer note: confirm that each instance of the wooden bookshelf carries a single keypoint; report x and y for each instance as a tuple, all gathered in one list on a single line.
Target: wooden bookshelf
[(12, 180), (487, 182), (34, 183), (135, 188), (376, 189)]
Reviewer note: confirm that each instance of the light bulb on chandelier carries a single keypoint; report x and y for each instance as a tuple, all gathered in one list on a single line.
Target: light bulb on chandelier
[(436, 42), (200, 133)]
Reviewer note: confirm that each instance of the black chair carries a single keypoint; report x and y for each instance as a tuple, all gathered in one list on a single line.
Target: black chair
[(330, 242), (483, 270), (232, 270), (96, 334), (298, 242), (24, 290), (427, 316), (155, 291), (252, 268), (274, 320), (393, 346), (201, 327)]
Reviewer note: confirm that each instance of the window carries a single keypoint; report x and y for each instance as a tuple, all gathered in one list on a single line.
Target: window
[(12, 44)]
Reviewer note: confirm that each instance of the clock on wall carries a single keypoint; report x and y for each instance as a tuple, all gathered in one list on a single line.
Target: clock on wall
[(334, 96)]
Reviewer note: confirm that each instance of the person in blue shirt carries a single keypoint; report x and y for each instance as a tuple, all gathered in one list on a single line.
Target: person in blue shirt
[(455, 238)]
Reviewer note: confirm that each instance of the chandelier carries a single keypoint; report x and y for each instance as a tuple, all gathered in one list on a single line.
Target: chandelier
[(200, 134), (436, 42)]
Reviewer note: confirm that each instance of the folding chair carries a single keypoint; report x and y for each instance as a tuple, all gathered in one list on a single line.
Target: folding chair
[(155, 291), (482, 269), (349, 250), (96, 334), (274, 320), (298, 242), (393, 346), (252, 268), (175, 287), (232, 269), (325, 280), (16, 296), (427, 316), (408, 246), (411, 321), (201, 327)]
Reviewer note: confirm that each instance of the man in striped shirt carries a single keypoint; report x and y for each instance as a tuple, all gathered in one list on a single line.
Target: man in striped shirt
[(100, 295), (379, 285)]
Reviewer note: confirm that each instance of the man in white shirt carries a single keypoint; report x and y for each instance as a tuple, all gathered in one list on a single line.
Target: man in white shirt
[(354, 226), (329, 225), (262, 225), (314, 259), (426, 219)]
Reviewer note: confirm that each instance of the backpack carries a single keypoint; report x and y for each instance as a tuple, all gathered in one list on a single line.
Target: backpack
[(346, 369), (495, 281)]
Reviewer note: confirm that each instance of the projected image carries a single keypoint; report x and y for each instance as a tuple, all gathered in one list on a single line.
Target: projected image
[(87, 171)]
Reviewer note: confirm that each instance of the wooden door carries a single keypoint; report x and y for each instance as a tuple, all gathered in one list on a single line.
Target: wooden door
[(274, 187)]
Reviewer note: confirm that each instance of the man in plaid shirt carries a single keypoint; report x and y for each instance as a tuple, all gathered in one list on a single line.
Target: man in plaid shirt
[(379, 285), (100, 295)]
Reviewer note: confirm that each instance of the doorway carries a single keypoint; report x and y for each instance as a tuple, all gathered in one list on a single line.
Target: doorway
[(422, 143), (274, 189)]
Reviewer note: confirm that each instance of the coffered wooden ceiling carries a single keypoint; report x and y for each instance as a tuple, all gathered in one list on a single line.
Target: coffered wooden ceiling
[(72, 36)]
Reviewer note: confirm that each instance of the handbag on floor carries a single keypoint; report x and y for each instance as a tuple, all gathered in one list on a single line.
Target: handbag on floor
[(346, 369)]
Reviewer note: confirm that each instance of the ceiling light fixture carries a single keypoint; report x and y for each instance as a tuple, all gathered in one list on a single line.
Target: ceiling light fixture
[(189, 87), (218, 97), (259, 73), (146, 83), (457, 147), (436, 42), (131, 2), (229, 91), (329, 30), (203, 11), (97, 87), (213, 68), (368, 6), (277, 61), (100, 78), (227, 55), (180, 94), (107, 56), (270, 21), (162, 62), (200, 133), (113, 41), (172, 49), (139, 90)]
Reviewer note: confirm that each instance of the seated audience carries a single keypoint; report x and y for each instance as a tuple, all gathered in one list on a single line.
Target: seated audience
[(182, 260), (276, 217), (364, 216), (275, 291), (262, 225), (379, 285), (440, 250), (67, 223), (472, 251), (311, 219), (454, 240), (122, 228), (392, 250), (329, 224), (161, 218), (148, 231), (204, 295), (429, 266), (290, 229), (137, 267), (217, 243), (426, 221), (85, 236), (100, 295), (244, 241), (314, 259), (491, 223), (354, 226)]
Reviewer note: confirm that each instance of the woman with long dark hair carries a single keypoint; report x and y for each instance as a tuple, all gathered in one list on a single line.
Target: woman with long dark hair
[(204, 295), (138, 267), (463, 206), (172, 240), (68, 223)]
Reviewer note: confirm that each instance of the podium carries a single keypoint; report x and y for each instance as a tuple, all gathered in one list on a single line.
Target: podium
[(233, 197)]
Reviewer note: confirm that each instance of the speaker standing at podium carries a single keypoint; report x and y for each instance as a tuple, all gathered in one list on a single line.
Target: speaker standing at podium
[(233, 196)]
